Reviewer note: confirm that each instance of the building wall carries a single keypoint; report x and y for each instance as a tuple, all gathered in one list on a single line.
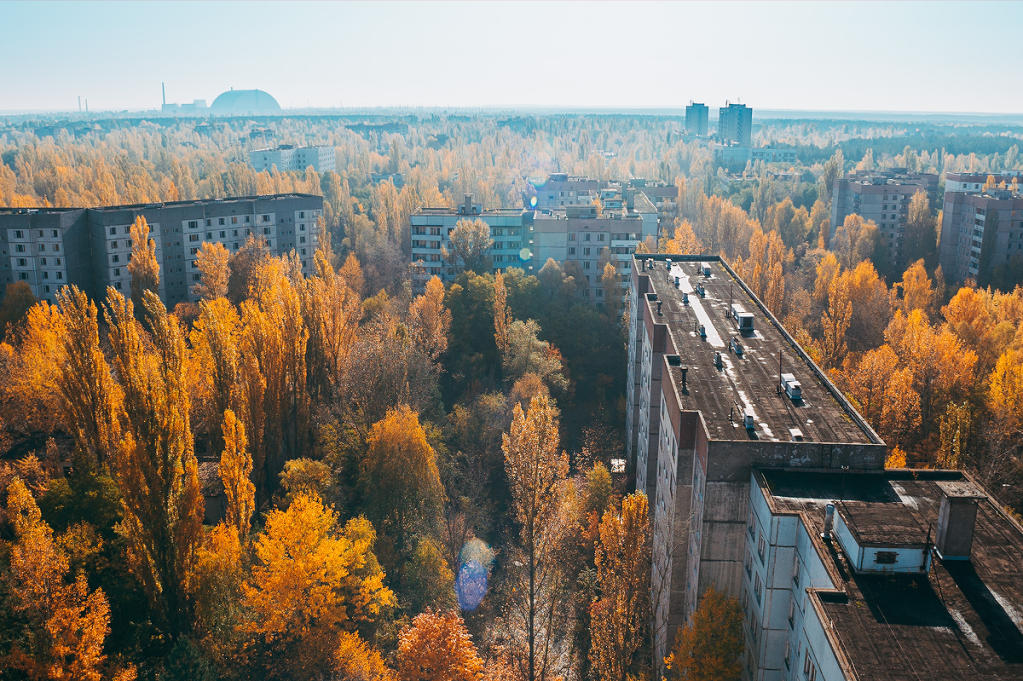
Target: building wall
[(696, 119), (294, 159), (980, 231), (780, 625), (883, 201), (93, 246), (735, 123)]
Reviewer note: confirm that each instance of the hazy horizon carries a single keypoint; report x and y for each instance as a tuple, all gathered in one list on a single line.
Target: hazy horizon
[(887, 57)]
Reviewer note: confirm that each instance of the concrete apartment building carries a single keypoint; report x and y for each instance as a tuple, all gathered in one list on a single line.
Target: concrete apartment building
[(735, 124), (980, 229), (749, 454), (582, 234), (696, 119), (430, 228), (882, 197), (565, 226), (290, 158), (91, 247), (733, 153)]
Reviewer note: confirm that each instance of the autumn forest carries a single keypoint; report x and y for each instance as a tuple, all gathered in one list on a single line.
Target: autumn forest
[(428, 486)]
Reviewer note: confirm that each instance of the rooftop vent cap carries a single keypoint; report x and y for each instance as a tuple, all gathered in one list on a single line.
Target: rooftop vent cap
[(796, 434), (957, 519), (749, 418), (829, 520)]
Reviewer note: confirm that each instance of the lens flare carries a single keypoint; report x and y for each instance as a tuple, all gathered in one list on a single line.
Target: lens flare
[(525, 254), (471, 584), (532, 202)]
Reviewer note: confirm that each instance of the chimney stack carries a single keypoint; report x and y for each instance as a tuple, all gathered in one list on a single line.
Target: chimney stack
[(957, 519), (163, 86), (829, 520), (659, 303)]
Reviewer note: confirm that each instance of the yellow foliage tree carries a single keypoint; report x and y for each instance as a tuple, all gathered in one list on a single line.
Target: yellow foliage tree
[(620, 617), (1005, 387), (310, 584), (708, 647), (400, 475), (683, 240), (212, 263), (155, 463), (430, 321), (144, 267), (67, 623), (236, 473), (438, 647), (536, 474)]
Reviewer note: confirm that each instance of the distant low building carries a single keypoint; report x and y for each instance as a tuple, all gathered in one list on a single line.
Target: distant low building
[(730, 154), (289, 158)]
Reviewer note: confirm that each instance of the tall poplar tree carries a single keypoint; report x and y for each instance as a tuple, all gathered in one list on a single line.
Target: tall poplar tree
[(155, 465)]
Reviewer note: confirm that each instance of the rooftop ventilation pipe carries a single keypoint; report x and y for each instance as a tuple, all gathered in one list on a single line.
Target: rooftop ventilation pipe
[(685, 388), (829, 521), (957, 519), (659, 303)]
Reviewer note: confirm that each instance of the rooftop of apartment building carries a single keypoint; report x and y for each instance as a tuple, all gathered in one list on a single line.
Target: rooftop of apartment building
[(731, 373), (891, 176), (960, 617), (165, 204)]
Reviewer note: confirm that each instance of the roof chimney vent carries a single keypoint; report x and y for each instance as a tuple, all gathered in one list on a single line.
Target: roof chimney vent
[(829, 521), (659, 303), (957, 519)]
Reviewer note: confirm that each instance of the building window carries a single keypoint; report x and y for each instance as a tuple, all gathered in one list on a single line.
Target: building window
[(193, 224), (117, 285), (586, 251), (209, 235), (220, 221), (22, 276), (788, 654), (117, 272), (234, 232), (571, 237), (209, 223), (196, 277), (586, 237), (53, 233), (115, 258), (46, 289), (46, 275), (19, 248), (571, 251), (758, 587), (247, 219), (600, 237), (56, 247), (60, 275), (752, 525), (266, 218), (223, 234), (749, 564), (193, 237), (113, 244), (57, 261), (792, 611), (762, 547), (266, 230), (234, 220), (301, 227), (301, 239), (42, 247), (18, 234), (194, 250), (301, 214), (42, 261)]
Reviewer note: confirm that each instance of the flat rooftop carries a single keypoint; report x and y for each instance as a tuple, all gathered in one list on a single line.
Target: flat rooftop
[(961, 620), (164, 204), (751, 381)]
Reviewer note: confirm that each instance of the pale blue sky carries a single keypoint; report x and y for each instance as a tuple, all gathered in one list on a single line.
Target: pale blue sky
[(917, 56)]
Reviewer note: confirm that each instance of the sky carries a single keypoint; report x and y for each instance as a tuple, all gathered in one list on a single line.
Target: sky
[(863, 56)]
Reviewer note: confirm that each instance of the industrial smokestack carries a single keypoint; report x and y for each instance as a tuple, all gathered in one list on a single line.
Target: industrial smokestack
[(163, 86), (79, 104)]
